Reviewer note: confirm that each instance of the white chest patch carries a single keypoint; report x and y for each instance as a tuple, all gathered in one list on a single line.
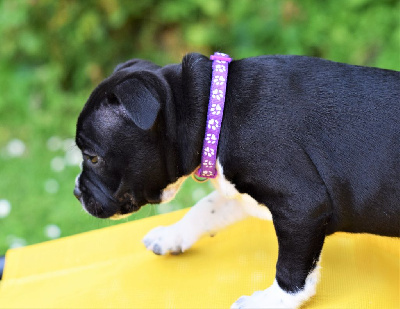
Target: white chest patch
[(171, 190), (251, 206)]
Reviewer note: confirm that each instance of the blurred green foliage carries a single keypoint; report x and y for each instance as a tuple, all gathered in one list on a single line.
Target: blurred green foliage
[(53, 53)]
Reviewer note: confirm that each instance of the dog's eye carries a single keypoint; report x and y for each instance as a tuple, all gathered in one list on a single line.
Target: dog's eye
[(93, 159)]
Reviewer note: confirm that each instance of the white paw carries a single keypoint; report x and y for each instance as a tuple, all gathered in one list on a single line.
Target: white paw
[(169, 239), (273, 297), (254, 301)]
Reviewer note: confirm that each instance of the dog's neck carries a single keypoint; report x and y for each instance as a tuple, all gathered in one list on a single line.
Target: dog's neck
[(185, 114)]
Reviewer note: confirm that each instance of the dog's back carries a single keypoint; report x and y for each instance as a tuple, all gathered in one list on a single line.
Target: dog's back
[(343, 119)]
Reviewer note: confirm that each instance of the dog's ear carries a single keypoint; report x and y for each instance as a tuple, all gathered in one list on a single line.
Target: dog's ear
[(138, 101), (137, 64)]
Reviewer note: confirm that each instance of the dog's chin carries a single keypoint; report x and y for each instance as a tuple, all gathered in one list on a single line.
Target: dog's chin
[(122, 213), (126, 211), (119, 216), (108, 210)]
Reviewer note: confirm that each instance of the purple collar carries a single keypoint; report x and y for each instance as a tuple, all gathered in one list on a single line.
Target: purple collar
[(214, 116)]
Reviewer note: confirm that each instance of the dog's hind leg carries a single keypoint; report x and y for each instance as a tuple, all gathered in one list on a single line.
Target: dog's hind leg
[(209, 215)]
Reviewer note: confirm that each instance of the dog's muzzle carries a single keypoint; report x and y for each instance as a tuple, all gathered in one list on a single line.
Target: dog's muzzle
[(77, 191), (116, 209)]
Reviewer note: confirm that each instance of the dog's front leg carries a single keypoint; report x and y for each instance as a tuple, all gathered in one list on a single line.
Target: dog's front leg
[(297, 270), (209, 215)]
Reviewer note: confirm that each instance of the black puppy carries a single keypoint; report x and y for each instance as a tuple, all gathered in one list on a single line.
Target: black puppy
[(317, 142)]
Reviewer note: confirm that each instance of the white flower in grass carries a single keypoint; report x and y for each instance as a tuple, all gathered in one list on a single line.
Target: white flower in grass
[(51, 186), (68, 144), (54, 143), (52, 231), (209, 152), (57, 164), (15, 242), (16, 148), (213, 124), (5, 208), (165, 208)]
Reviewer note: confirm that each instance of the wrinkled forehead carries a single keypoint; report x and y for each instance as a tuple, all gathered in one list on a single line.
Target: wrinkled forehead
[(99, 124), (104, 119)]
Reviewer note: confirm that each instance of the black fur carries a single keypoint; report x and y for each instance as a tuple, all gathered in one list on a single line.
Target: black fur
[(318, 142)]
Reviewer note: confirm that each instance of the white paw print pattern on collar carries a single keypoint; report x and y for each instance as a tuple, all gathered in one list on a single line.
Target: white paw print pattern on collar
[(215, 109), (214, 116), (213, 124), (219, 80), (217, 94)]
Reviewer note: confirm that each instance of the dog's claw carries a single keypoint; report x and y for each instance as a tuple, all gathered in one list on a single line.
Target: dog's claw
[(157, 249), (168, 239), (177, 251), (147, 242), (238, 304)]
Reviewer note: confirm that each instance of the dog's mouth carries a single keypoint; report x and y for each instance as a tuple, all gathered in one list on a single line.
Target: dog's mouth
[(98, 201), (108, 207)]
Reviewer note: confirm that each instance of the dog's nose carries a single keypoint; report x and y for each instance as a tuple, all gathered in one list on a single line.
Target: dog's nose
[(77, 193)]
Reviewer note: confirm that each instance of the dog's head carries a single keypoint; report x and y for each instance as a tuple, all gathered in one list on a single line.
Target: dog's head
[(119, 132)]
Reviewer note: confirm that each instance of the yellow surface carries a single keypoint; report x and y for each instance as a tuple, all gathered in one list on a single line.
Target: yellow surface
[(110, 268)]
